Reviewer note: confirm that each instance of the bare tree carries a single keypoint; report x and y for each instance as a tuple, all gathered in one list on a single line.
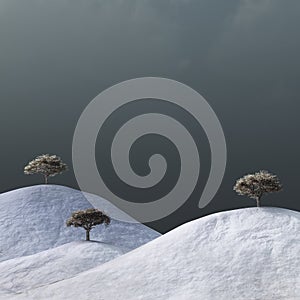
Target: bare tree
[(46, 165), (258, 184), (88, 219)]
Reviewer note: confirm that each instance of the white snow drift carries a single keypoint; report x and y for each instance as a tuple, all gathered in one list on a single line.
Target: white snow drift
[(22, 273), (242, 254), (33, 219)]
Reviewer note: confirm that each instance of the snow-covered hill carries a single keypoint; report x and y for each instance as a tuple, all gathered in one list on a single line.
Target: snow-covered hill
[(243, 254), (33, 219), (53, 265)]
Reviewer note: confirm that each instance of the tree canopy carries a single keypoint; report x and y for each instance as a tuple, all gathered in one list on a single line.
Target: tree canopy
[(88, 219), (257, 184), (46, 165)]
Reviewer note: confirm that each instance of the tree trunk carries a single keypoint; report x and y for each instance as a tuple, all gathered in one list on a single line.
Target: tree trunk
[(87, 235), (258, 201), (46, 179)]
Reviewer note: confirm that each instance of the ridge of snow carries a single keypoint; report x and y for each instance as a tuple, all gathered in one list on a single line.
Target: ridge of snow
[(22, 273), (244, 254), (32, 219)]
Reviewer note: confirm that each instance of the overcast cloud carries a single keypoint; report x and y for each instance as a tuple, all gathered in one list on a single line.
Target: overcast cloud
[(241, 55)]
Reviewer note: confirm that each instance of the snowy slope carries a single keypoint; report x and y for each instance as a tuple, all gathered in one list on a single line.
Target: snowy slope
[(242, 254), (33, 219), (66, 261)]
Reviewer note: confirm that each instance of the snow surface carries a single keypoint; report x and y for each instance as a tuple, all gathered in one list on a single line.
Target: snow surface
[(33, 219), (241, 254), (20, 274)]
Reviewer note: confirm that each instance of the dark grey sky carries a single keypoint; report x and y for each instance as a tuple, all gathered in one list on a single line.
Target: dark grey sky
[(242, 56)]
